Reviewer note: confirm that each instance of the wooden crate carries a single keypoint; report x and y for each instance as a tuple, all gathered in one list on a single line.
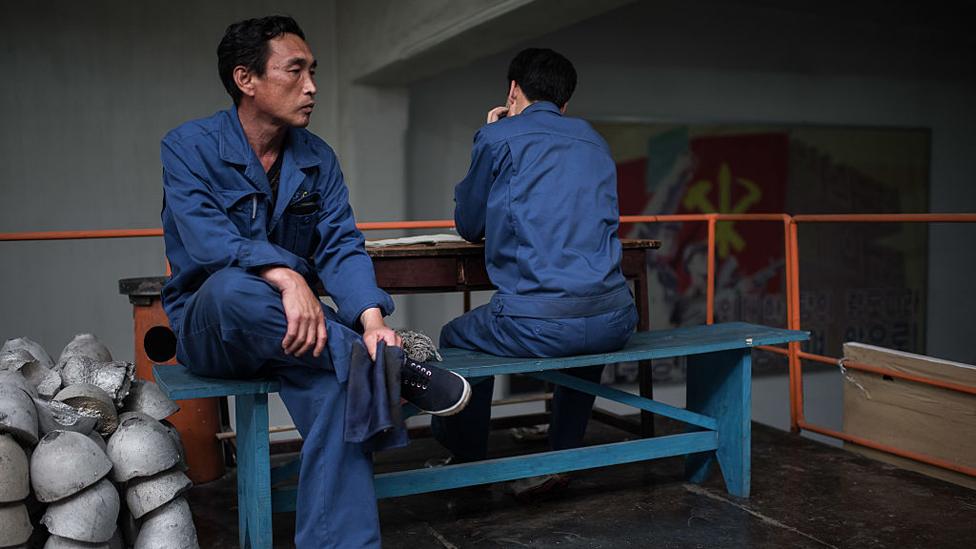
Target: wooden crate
[(912, 416)]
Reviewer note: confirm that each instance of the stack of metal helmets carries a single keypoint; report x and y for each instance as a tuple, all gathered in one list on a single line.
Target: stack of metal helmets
[(55, 468), (15, 525), (68, 472), (147, 459), (18, 429)]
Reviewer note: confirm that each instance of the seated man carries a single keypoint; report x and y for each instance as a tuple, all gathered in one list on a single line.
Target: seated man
[(255, 215), (542, 192)]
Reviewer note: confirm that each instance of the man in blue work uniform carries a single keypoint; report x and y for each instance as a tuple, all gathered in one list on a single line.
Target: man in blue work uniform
[(255, 216), (542, 192)]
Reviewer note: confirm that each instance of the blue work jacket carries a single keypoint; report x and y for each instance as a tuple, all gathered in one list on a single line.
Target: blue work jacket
[(217, 213), (542, 192)]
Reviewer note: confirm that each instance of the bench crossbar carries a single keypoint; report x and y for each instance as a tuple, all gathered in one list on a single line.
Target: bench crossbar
[(629, 399), (418, 481)]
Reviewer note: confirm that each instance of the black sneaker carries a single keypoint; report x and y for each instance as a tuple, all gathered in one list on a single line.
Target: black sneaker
[(440, 462), (434, 390), (536, 489)]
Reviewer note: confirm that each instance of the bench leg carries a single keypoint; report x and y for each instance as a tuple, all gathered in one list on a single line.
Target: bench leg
[(253, 472), (720, 386)]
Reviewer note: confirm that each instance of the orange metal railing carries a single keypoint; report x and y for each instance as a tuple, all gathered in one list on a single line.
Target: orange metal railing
[(791, 252), (798, 421), (80, 235), (795, 355)]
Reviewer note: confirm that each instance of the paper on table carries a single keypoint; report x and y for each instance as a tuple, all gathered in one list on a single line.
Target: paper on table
[(419, 239)]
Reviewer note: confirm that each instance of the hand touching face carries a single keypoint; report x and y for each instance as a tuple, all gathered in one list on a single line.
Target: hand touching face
[(497, 113)]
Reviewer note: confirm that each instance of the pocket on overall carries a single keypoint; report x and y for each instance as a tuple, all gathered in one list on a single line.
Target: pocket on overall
[(241, 207), (544, 337), (610, 331), (625, 319), (299, 223)]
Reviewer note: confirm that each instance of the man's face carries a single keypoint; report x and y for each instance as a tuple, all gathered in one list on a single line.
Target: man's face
[(286, 91)]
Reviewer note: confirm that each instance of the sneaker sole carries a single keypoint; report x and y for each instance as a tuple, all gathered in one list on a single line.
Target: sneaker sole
[(460, 404), (551, 487)]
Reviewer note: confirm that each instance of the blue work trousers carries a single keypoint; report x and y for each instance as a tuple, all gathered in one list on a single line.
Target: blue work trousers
[(232, 328), (466, 433)]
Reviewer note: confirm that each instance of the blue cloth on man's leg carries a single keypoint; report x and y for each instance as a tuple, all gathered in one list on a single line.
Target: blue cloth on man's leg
[(370, 399)]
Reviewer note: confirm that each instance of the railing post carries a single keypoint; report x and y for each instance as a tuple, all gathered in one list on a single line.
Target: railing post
[(793, 323), (710, 278)]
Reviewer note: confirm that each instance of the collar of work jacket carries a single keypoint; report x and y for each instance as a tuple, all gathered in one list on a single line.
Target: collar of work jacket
[(542, 106), (298, 156)]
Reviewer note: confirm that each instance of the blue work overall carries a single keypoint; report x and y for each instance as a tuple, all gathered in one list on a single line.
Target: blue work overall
[(221, 228), (542, 192)]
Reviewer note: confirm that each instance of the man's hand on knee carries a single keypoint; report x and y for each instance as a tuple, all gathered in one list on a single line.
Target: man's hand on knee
[(306, 323), (375, 329)]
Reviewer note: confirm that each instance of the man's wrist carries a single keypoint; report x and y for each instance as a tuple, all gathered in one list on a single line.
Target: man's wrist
[(372, 318), (280, 277)]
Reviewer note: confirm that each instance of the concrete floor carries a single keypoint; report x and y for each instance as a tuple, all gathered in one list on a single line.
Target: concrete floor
[(804, 494)]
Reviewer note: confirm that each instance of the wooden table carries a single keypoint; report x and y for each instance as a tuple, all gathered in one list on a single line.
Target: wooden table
[(460, 267)]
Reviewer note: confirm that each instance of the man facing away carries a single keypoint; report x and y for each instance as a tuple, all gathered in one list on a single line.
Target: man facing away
[(541, 191), (256, 215)]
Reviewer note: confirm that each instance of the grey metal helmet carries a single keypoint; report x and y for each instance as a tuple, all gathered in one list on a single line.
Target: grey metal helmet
[(121, 373), (15, 526), (99, 440), (175, 434), (141, 447), (57, 542), (54, 415), (46, 381), (169, 527), (93, 401), (65, 463), (18, 416), (14, 471), (15, 359), (170, 428), (16, 378), (112, 377), (89, 515), (133, 413), (150, 493), (85, 345), (32, 347), (146, 397)]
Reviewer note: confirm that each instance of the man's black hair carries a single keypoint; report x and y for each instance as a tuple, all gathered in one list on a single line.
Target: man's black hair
[(543, 75), (246, 43)]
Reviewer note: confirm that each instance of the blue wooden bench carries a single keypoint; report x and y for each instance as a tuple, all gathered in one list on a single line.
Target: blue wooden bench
[(718, 410)]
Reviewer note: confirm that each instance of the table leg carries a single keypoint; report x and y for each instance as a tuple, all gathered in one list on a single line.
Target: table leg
[(644, 367), (253, 471), (720, 386)]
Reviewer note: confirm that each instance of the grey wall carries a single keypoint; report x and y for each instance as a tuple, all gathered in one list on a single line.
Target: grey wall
[(811, 63), (89, 89)]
